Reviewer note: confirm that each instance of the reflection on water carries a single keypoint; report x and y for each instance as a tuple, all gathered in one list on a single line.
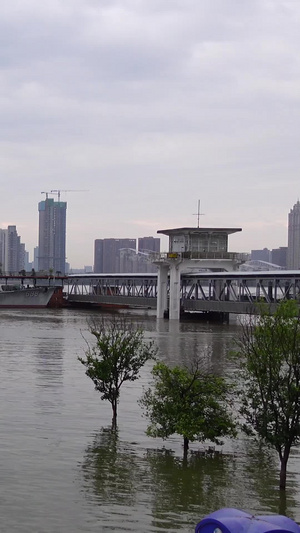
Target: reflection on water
[(187, 488), (48, 359), (111, 467), (61, 472), (262, 473), (176, 493), (169, 488)]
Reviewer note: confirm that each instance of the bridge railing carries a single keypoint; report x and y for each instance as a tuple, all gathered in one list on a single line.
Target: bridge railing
[(233, 256)]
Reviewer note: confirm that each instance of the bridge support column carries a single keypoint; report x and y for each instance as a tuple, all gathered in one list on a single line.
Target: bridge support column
[(174, 309), (218, 290), (162, 288)]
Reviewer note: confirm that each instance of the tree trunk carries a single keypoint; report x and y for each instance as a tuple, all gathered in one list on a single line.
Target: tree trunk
[(114, 417), (283, 467), (282, 507), (185, 447)]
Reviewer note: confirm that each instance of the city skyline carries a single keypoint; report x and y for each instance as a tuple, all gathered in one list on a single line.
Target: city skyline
[(163, 239), (149, 107)]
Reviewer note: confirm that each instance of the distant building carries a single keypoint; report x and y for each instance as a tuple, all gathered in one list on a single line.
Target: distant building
[(293, 252), (35, 264), (149, 244), (52, 235), (84, 270), (98, 256), (23, 257), (12, 250), (1, 249), (107, 254), (135, 262), (120, 255), (261, 255), (279, 256)]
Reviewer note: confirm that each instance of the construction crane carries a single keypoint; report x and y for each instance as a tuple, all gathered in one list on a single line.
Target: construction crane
[(58, 191), (46, 193)]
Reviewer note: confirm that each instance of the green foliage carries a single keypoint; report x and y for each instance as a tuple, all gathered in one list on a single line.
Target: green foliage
[(118, 355), (190, 403), (270, 391)]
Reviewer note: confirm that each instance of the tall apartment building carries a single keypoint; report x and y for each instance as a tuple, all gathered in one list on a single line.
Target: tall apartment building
[(261, 255), (98, 256), (107, 254), (279, 255), (1, 250), (120, 255), (12, 253), (136, 262), (149, 244), (35, 264), (52, 235), (293, 252)]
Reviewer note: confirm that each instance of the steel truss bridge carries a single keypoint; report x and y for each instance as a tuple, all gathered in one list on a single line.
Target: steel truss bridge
[(213, 292)]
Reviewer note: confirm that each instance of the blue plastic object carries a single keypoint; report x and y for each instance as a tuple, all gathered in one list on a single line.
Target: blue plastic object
[(236, 521)]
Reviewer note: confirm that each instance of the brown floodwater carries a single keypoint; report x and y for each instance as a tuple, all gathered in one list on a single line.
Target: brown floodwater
[(62, 469)]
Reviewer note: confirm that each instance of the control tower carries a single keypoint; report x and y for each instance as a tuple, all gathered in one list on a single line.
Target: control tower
[(191, 249)]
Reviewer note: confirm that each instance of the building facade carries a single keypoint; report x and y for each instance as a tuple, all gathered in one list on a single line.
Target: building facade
[(293, 252), (120, 255), (12, 254), (136, 262), (107, 254), (149, 244), (261, 255), (279, 256), (52, 236)]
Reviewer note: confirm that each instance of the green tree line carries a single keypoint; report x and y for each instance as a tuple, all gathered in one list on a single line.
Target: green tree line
[(197, 404)]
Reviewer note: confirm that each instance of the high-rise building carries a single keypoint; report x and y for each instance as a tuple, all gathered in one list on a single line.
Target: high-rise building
[(293, 252), (98, 256), (149, 244), (120, 255), (136, 262), (35, 264), (52, 235), (12, 250), (261, 255), (2, 240), (278, 256), (107, 254)]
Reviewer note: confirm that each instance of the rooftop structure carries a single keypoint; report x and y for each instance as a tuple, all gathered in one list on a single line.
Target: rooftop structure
[(191, 248), (198, 239)]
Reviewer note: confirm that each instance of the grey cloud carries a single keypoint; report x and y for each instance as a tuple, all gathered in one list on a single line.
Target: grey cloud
[(132, 94)]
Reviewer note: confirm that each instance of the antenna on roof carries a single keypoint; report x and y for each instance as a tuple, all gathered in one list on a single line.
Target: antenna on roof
[(198, 214)]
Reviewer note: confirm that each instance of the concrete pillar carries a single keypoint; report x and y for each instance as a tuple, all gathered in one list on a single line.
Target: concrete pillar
[(174, 306), (218, 290), (162, 288)]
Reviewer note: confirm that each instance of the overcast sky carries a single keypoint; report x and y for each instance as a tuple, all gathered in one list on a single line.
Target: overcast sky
[(146, 106)]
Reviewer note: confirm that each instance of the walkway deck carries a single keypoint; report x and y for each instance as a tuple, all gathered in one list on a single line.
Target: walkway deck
[(222, 292)]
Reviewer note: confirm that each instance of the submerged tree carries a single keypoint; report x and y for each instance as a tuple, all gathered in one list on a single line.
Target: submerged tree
[(118, 355), (189, 402), (270, 391)]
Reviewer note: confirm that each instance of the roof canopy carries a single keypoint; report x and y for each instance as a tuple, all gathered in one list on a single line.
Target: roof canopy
[(187, 231)]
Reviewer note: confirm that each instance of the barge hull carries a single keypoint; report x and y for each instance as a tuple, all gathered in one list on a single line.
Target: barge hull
[(35, 298)]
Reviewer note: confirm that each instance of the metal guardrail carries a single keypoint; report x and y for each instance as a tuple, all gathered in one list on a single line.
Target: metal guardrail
[(233, 256), (234, 292)]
